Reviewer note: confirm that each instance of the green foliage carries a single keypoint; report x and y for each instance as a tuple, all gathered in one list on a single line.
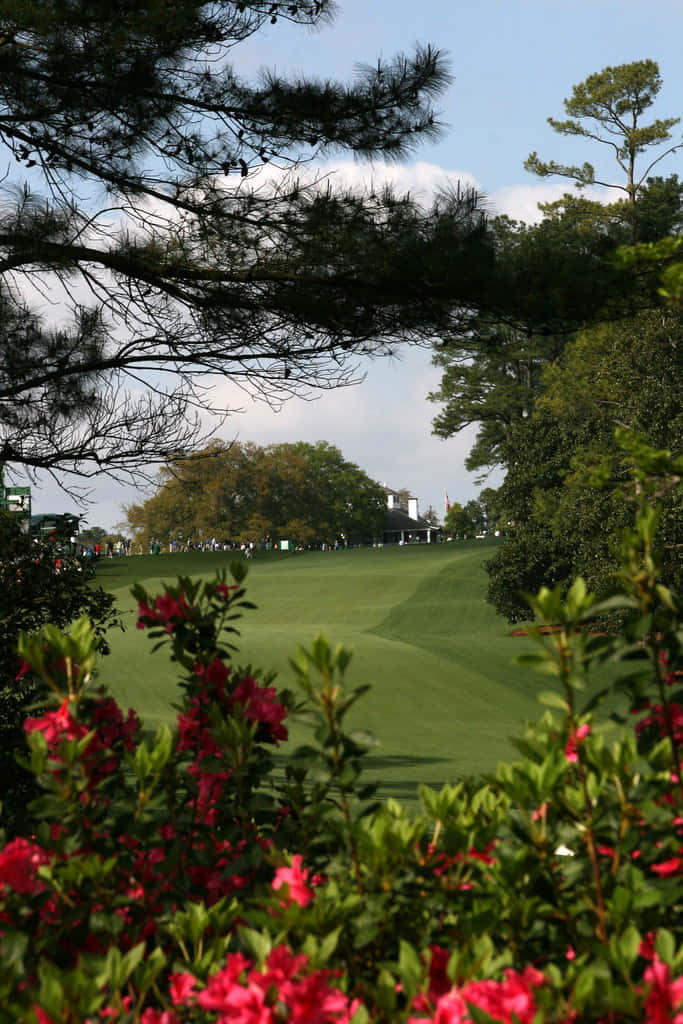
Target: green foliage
[(664, 255), (565, 489), (172, 879), (301, 492), (608, 108), (457, 522), (551, 279), (38, 584)]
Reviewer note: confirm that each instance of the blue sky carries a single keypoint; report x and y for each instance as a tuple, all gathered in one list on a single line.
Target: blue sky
[(513, 61)]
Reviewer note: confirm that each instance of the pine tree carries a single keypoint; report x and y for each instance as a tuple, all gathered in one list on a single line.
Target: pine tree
[(162, 196)]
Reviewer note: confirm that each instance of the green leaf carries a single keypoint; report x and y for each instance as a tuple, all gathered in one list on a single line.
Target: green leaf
[(361, 1016), (258, 943), (553, 700), (328, 946), (629, 944), (665, 945), (409, 962)]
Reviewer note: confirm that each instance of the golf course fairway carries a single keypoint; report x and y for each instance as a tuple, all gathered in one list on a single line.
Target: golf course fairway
[(446, 693)]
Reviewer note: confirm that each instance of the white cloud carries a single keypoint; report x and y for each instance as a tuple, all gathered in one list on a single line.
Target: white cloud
[(421, 179), (520, 202)]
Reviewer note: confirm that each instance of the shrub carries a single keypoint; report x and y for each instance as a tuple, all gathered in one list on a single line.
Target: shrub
[(39, 583), (184, 879)]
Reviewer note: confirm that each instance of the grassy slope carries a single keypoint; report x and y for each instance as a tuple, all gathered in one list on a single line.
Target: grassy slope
[(445, 695)]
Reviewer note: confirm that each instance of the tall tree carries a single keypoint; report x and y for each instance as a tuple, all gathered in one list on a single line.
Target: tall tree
[(608, 108), (562, 522), (558, 276), (551, 278), (160, 197)]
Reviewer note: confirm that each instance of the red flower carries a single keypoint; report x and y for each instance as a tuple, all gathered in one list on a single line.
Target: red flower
[(665, 868), (511, 1000), (42, 1017), (664, 996), (261, 705), (101, 757), (305, 998), (57, 726), (167, 611), (19, 863), (213, 675), (182, 987), (151, 1016)]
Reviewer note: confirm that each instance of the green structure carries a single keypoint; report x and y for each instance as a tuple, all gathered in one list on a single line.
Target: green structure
[(57, 526), (17, 501)]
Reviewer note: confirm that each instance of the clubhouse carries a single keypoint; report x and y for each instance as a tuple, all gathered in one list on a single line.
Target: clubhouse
[(403, 524)]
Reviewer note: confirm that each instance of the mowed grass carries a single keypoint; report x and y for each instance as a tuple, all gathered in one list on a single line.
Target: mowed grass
[(446, 694)]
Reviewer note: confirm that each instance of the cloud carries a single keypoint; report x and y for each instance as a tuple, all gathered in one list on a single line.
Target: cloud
[(520, 202), (421, 179)]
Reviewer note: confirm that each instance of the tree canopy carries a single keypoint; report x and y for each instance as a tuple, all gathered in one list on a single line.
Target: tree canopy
[(608, 108), (306, 493), (544, 384), (564, 492), (164, 198)]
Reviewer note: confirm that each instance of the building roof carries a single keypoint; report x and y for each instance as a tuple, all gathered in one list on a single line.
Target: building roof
[(396, 519)]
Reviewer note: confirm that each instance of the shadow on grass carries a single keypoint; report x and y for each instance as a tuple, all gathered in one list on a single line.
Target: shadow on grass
[(378, 768)]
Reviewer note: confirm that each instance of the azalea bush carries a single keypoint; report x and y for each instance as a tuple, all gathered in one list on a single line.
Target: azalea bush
[(39, 583), (192, 877)]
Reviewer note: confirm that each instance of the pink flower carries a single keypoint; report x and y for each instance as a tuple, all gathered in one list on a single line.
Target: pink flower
[(451, 1008), (511, 1000), (42, 1017), (540, 813), (664, 996), (182, 987), (19, 863), (574, 741), (295, 878), (224, 590)]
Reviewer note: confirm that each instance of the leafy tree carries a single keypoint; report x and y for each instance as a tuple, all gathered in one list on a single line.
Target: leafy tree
[(243, 492), (608, 108), (489, 502), (476, 514), (555, 273), (456, 522), (564, 490), (157, 191)]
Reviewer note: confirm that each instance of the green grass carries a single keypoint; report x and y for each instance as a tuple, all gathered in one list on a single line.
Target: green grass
[(446, 694)]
